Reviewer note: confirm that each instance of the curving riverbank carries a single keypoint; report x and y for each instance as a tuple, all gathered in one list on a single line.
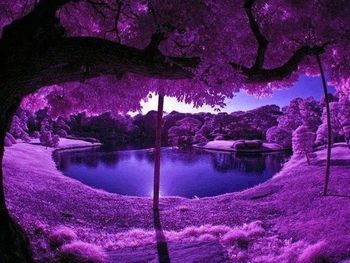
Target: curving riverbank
[(288, 212)]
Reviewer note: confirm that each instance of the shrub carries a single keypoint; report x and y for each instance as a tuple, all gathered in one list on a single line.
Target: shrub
[(62, 133), (7, 142), (11, 138), (48, 139), (19, 128), (81, 252), (36, 135), (46, 136), (314, 254), (303, 140), (200, 139), (61, 236), (236, 236), (278, 135)]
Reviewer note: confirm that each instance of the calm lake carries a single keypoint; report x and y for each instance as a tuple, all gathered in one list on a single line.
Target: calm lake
[(186, 173)]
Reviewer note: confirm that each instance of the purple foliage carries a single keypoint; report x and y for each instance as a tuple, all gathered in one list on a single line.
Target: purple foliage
[(11, 138), (291, 220), (81, 252), (278, 135), (47, 138), (299, 112), (182, 135), (314, 253), (36, 134), (62, 235), (7, 142), (62, 133), (303, 141), (19, 128)]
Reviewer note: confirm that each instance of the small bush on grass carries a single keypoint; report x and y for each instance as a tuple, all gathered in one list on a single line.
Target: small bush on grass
[(81, 252)]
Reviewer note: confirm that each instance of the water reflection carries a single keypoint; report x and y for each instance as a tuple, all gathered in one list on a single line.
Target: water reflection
[(184, 172), (248, 163)]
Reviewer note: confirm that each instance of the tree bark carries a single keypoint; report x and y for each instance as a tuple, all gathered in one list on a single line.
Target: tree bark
[(307, 159), (329, 127), (14, 245), (158, 144)]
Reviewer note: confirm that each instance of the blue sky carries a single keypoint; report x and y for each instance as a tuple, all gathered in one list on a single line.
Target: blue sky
[(305, 87)]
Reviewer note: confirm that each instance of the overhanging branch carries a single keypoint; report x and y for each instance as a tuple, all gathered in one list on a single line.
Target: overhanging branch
[(260, 38), (52, 60), (76, 58), (257, 73)]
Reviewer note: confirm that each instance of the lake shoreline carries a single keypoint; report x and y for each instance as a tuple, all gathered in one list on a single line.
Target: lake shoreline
[(187, 172), (42, 200)]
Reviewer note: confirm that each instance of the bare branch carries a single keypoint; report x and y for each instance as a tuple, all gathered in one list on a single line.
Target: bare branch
[(261, 39), (115, 29), (256, 73), (156, 39), (153, 13)]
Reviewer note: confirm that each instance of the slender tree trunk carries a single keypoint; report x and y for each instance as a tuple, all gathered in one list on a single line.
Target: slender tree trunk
[(329, 127), (158, 144), (307, 159)]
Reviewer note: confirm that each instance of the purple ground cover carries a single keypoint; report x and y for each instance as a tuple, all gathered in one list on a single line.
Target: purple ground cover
[(285, 219)]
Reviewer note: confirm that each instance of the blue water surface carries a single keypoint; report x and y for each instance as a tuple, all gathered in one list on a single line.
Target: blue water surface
[(185, 173)]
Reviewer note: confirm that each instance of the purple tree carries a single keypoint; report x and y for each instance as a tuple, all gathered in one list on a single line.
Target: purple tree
[(103, 45), (303, 140), (19, 127), (182, 135), (280, 136), (298, 112), (47, 138)]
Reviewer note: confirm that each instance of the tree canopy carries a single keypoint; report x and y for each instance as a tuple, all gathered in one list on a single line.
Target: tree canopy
[(197, 51)]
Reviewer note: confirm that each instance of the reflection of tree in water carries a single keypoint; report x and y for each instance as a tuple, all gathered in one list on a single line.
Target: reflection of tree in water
[(110, 159), (64, 159), (186, 156), (274, 161), (221, 162), (145, 155), (174, 155), (140, 155), (90, 158), (62, 162), (224, 162)]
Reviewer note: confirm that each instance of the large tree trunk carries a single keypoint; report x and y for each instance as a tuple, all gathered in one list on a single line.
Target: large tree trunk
[(14, 245), (329, 127), (158, 144)]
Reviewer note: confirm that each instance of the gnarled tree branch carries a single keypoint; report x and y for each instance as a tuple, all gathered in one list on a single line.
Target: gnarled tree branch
[(257, 73), (66, 59), (38, 60), (261, 39)]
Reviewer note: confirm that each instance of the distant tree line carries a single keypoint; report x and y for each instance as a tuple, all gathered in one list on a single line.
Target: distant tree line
[(181, 129), (301, 125)]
